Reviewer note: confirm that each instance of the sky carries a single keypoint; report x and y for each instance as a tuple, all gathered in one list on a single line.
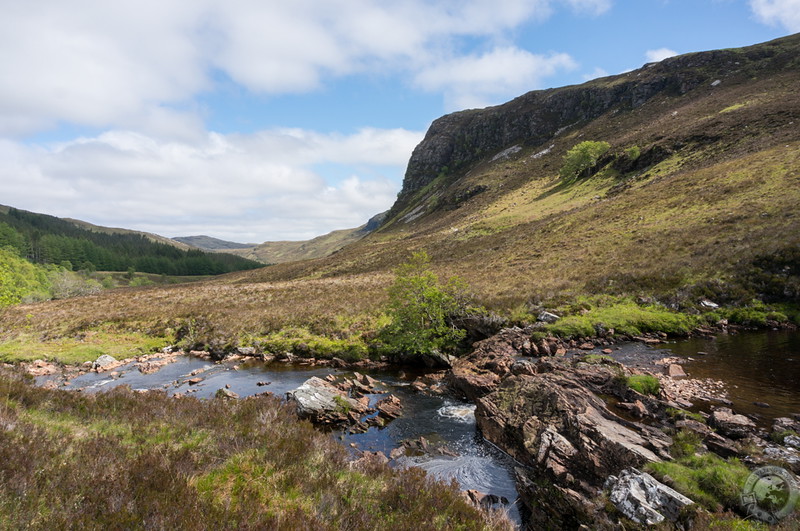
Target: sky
[(263, 120)]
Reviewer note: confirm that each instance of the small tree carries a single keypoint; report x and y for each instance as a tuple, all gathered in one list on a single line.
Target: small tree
[(582, 157), (422, 310)]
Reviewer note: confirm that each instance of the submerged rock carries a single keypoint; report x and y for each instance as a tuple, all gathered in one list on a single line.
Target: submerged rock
[(643, 499)]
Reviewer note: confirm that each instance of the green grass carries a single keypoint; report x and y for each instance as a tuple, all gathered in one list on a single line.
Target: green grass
[(86, 346), (644, 383), (125, 460), (621, 314), (707, 479), (676, 413), (597, 358)]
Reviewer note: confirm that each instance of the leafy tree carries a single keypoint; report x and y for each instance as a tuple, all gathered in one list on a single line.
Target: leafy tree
[(422, 310), (21, 280), (10, 237), (582, 157)]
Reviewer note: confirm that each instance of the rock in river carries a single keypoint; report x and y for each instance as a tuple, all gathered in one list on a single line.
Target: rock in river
[(323, 403)]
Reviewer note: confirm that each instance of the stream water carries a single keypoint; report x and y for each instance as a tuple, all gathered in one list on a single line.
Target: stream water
[(440, 420), (757, 367)]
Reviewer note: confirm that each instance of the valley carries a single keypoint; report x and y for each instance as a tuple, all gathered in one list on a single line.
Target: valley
[(682, 232)]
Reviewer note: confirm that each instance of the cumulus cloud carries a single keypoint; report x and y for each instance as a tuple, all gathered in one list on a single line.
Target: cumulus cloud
[(784, 13), (138, 70), (480, 80), (654, 56), (133, 63), (241, 187)]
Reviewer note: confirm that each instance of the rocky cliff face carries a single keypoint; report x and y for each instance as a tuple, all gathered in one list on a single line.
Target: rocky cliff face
[(458, 140)]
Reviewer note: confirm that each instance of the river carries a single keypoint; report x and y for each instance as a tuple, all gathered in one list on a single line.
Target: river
[(761, 367)]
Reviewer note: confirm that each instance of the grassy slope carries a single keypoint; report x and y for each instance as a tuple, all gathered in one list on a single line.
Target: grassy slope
[(730, 190), (290, 251), (124, 460)]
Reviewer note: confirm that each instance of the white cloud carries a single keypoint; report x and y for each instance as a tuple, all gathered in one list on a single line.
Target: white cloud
[(594, 74), (240, 187), (785, 13), (592, 7), (480, 80), (130, 63), (654, 56)]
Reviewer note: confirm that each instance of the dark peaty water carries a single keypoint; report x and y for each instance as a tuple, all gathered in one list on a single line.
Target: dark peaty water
[(756, 366)]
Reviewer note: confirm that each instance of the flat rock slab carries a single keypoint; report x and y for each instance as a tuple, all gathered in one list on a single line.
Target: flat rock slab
[(643, 499)]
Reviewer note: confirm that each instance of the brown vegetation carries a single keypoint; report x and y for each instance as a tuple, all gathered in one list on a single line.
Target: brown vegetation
[(126, 460)]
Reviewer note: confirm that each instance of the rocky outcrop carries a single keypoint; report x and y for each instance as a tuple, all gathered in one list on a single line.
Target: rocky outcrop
[(458, 140), (546, 413), (554, 423), (644, 500), (492, 359)]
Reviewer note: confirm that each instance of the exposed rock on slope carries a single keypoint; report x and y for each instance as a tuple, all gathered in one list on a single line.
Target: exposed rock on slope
[(461, 139)]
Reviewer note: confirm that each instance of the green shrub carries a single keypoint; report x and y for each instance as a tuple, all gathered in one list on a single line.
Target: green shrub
[(685, 443), (422, 310), (633, 152), (644, 383), (582, 157), (21, 280)]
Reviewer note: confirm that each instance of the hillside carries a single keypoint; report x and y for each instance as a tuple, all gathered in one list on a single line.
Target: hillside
[(207, 243), (77, 245), (291, 251), (702, 177)]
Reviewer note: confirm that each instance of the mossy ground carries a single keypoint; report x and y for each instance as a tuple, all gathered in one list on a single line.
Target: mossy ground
[(85, 346)]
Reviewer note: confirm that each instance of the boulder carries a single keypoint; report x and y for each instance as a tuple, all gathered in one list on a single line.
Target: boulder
[(323, 403), (547, 317), (675, 371), (643, 499), (104, 361), (730, 424)]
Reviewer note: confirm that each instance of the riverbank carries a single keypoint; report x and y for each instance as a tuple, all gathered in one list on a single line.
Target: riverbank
[(124, 459), (688, 415), (577, 421)]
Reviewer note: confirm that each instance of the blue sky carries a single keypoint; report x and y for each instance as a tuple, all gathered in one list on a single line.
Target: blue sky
[(256, 120)]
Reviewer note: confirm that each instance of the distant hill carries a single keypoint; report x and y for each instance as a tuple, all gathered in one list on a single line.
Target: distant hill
[(290, 251), (207, 243), (45, 239)]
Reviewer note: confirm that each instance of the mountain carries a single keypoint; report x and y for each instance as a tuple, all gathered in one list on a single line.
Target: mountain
[(207, 243), (291, 251), (700, 178), (700, 186)]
